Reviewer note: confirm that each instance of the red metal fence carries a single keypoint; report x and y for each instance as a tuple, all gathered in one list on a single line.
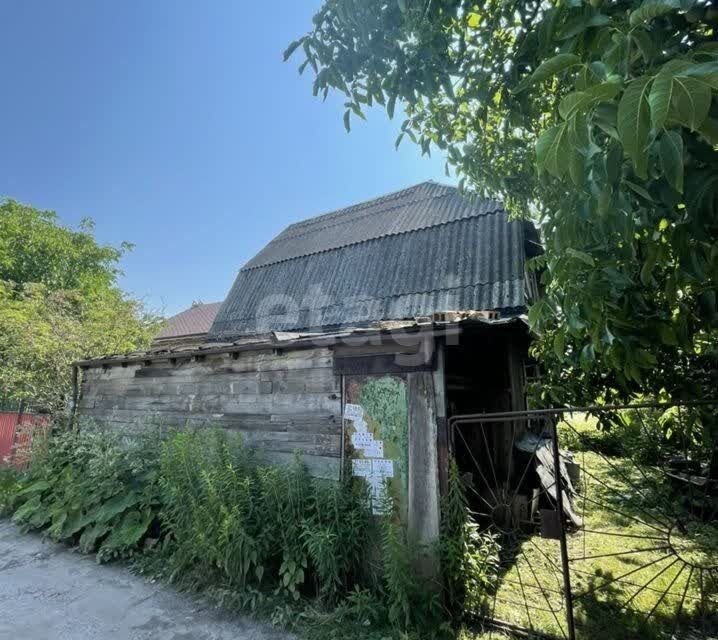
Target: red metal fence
[(16, 435)]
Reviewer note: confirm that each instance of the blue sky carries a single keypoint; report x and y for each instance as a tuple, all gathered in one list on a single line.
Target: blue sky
[(176, 126)]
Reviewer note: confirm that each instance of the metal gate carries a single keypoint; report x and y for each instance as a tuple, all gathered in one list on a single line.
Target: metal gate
[(623, 545)]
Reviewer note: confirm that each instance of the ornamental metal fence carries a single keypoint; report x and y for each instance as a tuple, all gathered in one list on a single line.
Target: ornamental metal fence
[(602, 519)]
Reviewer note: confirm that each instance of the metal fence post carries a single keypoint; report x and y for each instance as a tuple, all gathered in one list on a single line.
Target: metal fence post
[(568, 595)]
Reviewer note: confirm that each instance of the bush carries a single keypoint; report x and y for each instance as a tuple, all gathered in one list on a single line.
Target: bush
[(469, 557), (231, 521), (92, 488), (267, 539), (9, 486), (647, 436)]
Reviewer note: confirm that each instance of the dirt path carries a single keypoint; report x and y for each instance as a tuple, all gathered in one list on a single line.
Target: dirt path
[(47, 591)]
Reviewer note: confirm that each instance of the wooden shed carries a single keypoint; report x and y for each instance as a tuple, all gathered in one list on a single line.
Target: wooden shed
[(351, 338)]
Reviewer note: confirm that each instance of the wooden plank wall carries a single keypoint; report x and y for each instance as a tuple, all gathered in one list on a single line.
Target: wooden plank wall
[(279, 401)]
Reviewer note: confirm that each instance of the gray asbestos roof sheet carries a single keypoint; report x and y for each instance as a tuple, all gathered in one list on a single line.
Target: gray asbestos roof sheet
[(404, 255)]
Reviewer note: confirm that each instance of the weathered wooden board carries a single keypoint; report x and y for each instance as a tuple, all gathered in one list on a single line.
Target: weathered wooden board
[(280, 402), (384, 363), (423, 512)]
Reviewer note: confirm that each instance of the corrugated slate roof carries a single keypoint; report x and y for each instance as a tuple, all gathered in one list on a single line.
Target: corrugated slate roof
[(407, 254), (196, 320), (419, 207)]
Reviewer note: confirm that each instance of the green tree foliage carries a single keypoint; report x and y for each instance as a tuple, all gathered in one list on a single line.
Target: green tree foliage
[(596, 118), (34, 247), (59, 302)]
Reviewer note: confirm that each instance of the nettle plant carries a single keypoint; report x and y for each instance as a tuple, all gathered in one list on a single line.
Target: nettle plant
[(597, 119)]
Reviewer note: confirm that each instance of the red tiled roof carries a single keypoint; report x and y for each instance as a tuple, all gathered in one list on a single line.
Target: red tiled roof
[(193, 321)]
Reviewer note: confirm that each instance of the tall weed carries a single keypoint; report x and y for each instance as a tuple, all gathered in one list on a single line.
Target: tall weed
[(9, 486), (469, 557), (250, 526)]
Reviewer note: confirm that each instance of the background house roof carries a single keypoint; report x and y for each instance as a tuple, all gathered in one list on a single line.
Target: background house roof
[(407, 254), (196, 320)]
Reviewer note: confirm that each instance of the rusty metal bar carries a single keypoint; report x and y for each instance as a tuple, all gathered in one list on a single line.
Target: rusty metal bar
[(509, 416)]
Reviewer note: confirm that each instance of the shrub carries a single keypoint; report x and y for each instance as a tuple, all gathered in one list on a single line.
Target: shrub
[(92, 488), (232, 521), (647, 436), (469, 557), (9, 486), (260, 537)]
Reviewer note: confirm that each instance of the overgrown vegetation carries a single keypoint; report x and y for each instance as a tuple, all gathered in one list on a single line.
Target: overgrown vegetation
[(646, 436), (59, 302), (9, 486), (470, 558), (629, 435), (196, 509), (597, 119), (92, 489)]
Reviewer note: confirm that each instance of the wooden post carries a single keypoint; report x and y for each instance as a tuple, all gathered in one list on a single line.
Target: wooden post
[(423, 513), (75, 393), (442, 435)]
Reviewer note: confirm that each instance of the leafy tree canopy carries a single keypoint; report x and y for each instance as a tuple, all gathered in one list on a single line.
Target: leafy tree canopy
[(596, 118), (59, 302), (35, 248)]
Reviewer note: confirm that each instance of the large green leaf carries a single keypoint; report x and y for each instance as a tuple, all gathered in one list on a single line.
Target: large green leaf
[(74, 522), (116, 505), (580, 101), (634, 123), (571, 103), (559, 344), (587, 357), (577, 168), (709, 130), (552, 150), (659, 99), (128, 533), (646, 274), (549, 68), (706, 72), (653, 9), (27, 510), (605, 117), (671, 153), (581, 255), (39, 485), (582, 22), (645, 44), (89, 537), (579, 137), (638, 189), (691, 102)]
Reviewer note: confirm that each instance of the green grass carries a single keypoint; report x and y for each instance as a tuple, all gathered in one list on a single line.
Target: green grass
[(627, 562)]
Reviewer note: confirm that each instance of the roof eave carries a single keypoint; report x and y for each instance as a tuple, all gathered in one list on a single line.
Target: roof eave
[(289, 340)]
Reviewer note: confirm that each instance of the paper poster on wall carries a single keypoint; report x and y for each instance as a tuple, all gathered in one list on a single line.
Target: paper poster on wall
[(376, 428)]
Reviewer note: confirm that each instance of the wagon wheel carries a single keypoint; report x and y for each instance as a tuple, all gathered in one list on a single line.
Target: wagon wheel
[(647, 555), (525, 593)]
